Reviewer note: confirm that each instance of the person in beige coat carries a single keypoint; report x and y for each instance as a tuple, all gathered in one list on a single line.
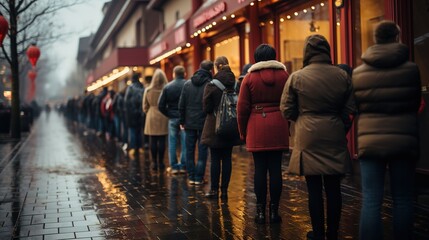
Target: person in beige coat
[(319, 99), (156, 126)]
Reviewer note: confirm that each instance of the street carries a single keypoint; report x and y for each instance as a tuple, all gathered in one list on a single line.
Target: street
[(61, 184)]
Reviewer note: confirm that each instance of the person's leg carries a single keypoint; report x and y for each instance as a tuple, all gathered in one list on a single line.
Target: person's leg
[(216, 155), (182, 164), (138, 137), (315, 205), (191, 139), (226, 169), (332, 185), (402, 174), (172, 143), (260, 185), (372, 177), (161, 151), (275, 174), (202, 159), (132, 133), (154, 151)]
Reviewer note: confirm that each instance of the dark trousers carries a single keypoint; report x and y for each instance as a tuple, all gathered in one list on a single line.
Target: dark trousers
[(268, 162), (220, 159), (157, 149), (315, 185)]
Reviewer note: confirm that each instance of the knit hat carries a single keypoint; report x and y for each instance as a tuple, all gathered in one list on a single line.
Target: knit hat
[(386, 32), (244, 71)]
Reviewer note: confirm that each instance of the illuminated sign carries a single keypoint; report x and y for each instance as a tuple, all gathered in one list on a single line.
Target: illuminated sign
[(209, 14)]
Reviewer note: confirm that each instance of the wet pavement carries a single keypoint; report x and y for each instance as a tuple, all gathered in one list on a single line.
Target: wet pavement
[(58, 183)]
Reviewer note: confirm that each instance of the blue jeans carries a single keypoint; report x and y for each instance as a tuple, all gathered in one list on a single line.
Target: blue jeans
[(174, 132), (401, 184), (195, 172), (135, 138)]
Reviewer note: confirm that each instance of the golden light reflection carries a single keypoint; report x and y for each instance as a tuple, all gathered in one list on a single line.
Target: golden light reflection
[(114, 193)]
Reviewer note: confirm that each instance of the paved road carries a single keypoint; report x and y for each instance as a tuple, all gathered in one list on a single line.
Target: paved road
[(61, 184)]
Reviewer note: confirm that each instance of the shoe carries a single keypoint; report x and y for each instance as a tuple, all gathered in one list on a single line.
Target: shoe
[(212, 194), (199, 182), (260, 214), (274, 214), (191, 182), (124, 147)]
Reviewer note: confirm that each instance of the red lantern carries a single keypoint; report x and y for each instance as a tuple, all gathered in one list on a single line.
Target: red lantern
[(32, 75), (4, 25), (33, 54)]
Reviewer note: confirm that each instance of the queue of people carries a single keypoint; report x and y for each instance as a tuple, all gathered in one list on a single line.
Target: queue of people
[(321, 101)]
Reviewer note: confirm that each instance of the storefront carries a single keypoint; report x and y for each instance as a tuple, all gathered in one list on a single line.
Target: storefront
[(172, 48)]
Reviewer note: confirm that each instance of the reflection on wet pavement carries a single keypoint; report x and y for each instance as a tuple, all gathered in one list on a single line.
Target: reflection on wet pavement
[(64, 185)]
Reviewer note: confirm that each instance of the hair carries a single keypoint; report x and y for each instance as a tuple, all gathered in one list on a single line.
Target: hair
[(386, 32), (221, 63), (179, 71), (135, 77), (159, 80), (264, 52), (244, 71), (206, 65)]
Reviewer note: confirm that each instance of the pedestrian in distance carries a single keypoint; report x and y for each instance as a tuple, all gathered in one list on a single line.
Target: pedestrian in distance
[(320, 105), (134, 114), (241, 77), (387, 91), (168, 105), (220, 147), (192, 119), (156, 126), (263, 128)]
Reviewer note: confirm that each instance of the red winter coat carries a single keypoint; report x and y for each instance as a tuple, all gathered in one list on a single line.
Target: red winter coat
[(260, 121)]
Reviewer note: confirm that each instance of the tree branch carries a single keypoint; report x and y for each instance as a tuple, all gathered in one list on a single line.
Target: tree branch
[(5, 8), (43, 12), (18, 8), (5, 54)]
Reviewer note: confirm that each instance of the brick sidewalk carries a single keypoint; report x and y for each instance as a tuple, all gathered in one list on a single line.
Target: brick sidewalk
[(63, 185)]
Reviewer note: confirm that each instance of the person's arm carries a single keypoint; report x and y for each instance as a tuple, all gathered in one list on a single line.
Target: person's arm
[(182, 105), (349, 110), (145, 105), (162, 103), (289, 101), (244, 108)]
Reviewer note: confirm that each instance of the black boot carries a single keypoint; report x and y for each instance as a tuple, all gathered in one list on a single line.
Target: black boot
[(260, 214), (274, 213)]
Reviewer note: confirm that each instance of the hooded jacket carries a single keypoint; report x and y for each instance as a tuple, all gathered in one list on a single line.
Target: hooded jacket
[(191, 111), (259, 119), (133, 104), (211, 101), (319, 99), (387, 92)]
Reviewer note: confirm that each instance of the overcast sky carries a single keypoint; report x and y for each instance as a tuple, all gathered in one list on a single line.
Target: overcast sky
[(81, 20)]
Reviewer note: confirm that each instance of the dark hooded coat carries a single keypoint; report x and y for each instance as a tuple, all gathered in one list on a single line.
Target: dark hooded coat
[(387, 92), (319, 99)]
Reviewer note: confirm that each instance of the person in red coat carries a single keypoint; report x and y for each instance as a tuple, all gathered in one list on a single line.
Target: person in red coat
[(263, 128)]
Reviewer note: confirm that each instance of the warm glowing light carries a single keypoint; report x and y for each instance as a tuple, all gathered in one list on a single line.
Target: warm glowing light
[(232, 15), (208, 48), (252, 3), (203, 30), (195, 34), (313, 7), (305, 10), (188, 44), (99, 83), (338, 23), (322, 4), (224, 17), (199, 31), (217, 44), (214, 23), (7, 94), (207, 28), (295, 13), (271, 22), (129, 82), (288, 17), (282, 19), (135, 69), (165, 55)]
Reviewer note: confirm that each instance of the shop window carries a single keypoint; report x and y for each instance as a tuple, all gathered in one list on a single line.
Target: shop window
[(230, 49), (368, 13), (296, 25), (421, 39)]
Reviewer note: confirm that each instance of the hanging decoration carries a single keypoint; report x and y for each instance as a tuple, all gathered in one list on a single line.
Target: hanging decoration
[(4, 26), (33, 54), (32, 74)]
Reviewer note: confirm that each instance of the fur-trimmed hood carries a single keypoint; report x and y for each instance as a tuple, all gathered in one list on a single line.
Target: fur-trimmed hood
[(267, 64), (267, 70)]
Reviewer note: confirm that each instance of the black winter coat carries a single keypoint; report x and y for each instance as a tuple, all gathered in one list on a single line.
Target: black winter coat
[(211, 101), (133, 105), (191, 111), (169, 100)]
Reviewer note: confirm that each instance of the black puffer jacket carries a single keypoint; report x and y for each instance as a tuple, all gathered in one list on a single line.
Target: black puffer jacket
[(191, 111), (387, 92), (133, 104), (169, 100)]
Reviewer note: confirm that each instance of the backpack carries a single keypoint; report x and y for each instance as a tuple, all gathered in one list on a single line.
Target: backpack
[(226, 114)]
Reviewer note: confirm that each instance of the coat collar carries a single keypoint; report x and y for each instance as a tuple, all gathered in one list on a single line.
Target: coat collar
[(267, 64)]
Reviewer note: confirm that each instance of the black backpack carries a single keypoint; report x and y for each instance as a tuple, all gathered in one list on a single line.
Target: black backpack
[(226, 114)]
